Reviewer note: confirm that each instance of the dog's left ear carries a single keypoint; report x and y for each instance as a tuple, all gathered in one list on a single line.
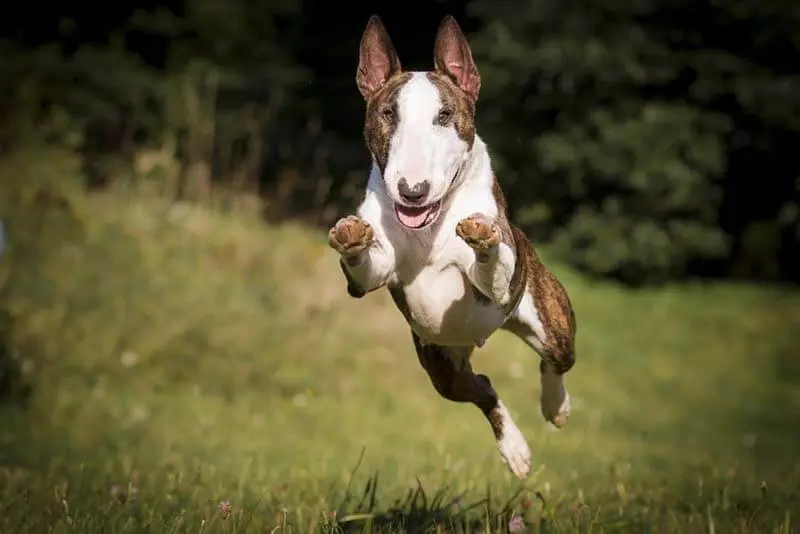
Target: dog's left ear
[(452, 56)]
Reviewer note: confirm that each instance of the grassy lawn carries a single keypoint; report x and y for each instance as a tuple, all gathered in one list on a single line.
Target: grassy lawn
[(197, 372)]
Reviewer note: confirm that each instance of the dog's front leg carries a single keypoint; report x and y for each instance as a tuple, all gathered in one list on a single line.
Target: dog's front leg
[(366, 261), (491, 267)]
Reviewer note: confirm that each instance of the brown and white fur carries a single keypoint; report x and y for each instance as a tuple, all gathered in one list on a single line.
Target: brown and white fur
[(433, 228)]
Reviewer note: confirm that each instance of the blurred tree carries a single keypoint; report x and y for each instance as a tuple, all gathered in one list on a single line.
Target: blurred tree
[(617, 125), (231, 82), (644, 139), (211, 79)]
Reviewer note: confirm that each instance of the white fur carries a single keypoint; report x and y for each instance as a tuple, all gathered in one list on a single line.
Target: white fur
[(555, 401), (527, 316), (512, 446), (436, 270), (420, 150), (434, 267), (493, 275)]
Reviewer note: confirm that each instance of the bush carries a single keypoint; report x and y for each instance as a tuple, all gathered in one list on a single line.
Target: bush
[(616, 129)]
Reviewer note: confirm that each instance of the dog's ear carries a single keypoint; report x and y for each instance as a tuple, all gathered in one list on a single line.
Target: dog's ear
[(452, 56), (377, 59)]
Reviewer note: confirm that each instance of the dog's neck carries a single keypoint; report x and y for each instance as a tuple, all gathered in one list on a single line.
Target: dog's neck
[(476, 171)]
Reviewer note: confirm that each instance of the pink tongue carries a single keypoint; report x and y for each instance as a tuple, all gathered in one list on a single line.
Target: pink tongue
[(413, 217)]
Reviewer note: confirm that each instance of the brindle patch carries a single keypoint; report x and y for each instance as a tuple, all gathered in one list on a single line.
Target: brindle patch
[(451, 374), (496, 422), (552, 305), (556, 314), (518, 243), (552, 302), (460, 105), (382, 117)]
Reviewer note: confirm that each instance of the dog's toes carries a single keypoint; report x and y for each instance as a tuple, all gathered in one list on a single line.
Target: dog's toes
[(350, 235), (478, 231), (515, 451), (557, 413)]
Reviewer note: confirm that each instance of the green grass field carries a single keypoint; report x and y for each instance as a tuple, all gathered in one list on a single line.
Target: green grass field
[(193, 371)]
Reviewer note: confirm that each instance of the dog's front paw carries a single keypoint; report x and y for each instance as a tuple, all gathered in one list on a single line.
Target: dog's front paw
[(350, 236), (479, 232)]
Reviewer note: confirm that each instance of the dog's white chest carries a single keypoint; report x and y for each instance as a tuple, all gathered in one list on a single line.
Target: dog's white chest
[(445, 309)]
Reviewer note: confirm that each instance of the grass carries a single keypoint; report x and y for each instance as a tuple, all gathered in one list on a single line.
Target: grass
[(193, 371)]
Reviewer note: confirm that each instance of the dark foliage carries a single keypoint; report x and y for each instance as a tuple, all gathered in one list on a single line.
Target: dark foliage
[(647, 141)]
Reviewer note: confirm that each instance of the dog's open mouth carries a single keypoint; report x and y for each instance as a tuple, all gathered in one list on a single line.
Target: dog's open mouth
[(417, 217)]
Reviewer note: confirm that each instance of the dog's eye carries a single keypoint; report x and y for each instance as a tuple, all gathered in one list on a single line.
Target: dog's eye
[(444, 116), (388, 113)]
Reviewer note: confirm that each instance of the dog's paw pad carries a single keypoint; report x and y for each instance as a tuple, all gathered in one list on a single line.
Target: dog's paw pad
[(479, 232), (350, 235)]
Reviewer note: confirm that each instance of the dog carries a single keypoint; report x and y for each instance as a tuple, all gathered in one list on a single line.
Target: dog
[(433, 228)]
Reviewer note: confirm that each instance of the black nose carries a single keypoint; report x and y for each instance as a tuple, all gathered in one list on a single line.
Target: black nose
[(413, 195)]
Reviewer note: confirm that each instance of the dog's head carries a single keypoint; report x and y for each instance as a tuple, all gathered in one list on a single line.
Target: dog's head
[(420, 126)]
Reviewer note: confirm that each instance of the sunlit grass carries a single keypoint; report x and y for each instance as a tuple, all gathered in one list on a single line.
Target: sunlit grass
[(200, 372)]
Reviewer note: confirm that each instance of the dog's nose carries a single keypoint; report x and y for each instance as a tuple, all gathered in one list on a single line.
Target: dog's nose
[(413, 195)]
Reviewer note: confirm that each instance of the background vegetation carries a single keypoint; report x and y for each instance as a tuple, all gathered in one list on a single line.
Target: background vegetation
[(178, 352)]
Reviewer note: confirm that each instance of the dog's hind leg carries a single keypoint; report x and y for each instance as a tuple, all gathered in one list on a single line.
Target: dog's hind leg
[(451, 373), (545, 321)]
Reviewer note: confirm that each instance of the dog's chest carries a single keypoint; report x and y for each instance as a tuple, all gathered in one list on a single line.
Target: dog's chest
[(442, 306)]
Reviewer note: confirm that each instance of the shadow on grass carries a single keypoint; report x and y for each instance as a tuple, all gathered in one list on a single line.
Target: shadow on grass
[(422, 512), (419, 511)]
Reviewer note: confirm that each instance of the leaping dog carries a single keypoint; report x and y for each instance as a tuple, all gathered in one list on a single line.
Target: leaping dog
[(433, 228)]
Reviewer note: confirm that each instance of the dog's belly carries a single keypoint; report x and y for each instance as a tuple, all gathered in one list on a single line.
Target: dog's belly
[(443, 308)]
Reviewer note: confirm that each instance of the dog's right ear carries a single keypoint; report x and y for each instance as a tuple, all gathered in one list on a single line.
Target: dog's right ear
[(453, 57), (377, 59)]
